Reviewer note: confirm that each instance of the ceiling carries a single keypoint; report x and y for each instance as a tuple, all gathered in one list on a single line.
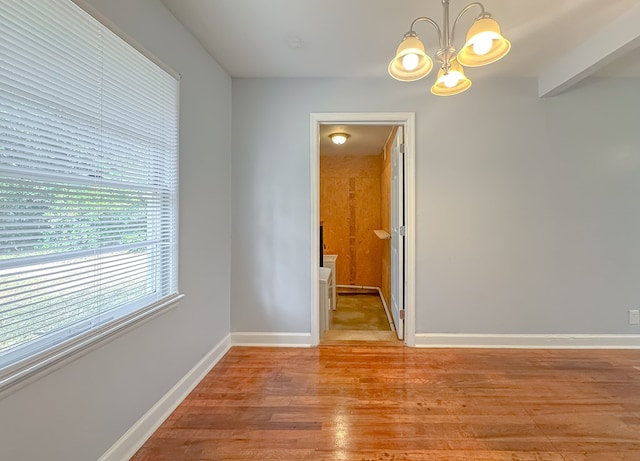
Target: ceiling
[(363, 140), (358, 38)]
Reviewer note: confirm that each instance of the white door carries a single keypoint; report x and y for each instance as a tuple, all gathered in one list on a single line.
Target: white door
[(397, 232)]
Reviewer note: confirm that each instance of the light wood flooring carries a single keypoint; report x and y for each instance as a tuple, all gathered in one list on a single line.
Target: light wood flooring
[(366, 403)]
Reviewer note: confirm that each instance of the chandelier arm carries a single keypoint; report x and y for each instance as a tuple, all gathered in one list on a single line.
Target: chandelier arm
[(483, 13), (430, 21)]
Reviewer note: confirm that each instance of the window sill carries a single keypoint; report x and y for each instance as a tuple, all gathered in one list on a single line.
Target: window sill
[(21, 373)]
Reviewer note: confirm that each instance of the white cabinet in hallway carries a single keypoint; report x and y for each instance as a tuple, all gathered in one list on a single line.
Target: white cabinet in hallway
[(326, 279), (330, 262)]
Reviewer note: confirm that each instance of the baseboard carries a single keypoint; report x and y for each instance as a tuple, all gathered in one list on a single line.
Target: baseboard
[(135, 437), (530, 341), (361, 287), (387, 310), (271, 339)]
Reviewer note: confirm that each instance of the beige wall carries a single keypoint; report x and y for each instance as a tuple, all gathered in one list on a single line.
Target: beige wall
[(350, 211)]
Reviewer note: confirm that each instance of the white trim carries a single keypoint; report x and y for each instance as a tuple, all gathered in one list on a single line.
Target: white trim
[(257, 339), (386, 310), (361, 287), (407, 120), (138, 434), (314, 229), (528, 341)]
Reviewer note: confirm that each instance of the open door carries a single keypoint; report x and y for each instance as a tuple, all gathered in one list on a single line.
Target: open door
[(397, 232), (402, 215)]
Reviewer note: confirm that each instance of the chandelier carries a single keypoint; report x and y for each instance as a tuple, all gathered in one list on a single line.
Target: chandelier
[(484, 45)]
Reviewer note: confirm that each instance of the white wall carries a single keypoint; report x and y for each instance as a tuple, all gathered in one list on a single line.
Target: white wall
[(78, 411), (528, 210)]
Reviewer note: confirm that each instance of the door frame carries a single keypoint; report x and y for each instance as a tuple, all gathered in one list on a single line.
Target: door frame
[(407, 120)]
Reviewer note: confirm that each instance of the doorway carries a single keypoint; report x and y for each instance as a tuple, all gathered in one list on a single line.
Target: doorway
[(355, 218), (402, 267)]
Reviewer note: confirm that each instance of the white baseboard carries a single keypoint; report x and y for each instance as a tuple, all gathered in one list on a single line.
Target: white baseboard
[(271, 339), (387, 310), (531, 341), (135, 437)]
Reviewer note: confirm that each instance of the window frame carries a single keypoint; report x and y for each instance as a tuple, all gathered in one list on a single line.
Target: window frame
[(48, 359)]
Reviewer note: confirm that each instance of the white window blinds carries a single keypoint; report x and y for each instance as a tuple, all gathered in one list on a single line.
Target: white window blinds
[(88, 178)]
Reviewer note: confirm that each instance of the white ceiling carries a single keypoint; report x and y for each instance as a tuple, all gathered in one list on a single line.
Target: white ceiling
[(557, 41), (357, 38), (363, 140)]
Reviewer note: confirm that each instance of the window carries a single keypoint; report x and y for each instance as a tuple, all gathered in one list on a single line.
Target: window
[(88, 183)]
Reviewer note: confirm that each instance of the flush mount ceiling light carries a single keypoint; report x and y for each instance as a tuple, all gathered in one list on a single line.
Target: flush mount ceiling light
[(339, 138), (484, 45)]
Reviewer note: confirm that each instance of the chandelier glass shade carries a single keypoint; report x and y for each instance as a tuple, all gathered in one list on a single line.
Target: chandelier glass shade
[(411, 61), (452, 82), (484, 45)]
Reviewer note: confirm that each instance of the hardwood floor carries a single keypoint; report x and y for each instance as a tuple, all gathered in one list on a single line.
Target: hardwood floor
[(366, 402)]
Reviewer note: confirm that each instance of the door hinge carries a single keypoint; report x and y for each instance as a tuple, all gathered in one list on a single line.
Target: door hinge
[(401, 314), (401, 147), (402, 231)]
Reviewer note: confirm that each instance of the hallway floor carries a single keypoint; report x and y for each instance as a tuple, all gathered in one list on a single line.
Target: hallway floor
[(360, 311), (360, 316)]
